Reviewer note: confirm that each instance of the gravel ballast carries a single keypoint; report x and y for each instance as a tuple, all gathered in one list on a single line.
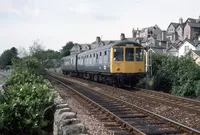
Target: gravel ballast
[(182, 116)]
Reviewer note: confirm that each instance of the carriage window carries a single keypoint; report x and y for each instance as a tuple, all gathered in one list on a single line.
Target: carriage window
[(118, 54), (129, 54), (97, 56), (105, 53), (139, 54)]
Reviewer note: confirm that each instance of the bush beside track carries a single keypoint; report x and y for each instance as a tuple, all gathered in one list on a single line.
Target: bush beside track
[(179, 76), (26, 104)]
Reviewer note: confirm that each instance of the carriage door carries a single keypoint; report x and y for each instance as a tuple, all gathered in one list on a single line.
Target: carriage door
[(108, 56)]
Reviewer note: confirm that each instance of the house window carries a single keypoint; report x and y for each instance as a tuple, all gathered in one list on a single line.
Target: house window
[(105, 53), (100, 54), (186, 49)]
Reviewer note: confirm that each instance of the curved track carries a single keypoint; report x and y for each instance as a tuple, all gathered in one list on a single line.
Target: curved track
[(131, 118)]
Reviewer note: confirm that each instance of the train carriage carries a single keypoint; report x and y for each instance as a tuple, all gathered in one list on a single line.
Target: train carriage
[(115, 63)]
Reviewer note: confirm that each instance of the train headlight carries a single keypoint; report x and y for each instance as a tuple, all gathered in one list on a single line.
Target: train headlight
[(118, 69)]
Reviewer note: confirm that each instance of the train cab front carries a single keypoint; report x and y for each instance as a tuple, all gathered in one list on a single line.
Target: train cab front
[(127, 59)]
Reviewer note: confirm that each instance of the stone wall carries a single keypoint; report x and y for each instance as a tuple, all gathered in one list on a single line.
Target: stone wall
[(65, 121)]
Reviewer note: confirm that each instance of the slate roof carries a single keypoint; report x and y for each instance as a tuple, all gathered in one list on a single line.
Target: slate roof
[(139, 38), (174, 24), (196, 52), (191, 20), (196, 25), (193, 42), (158, 49)]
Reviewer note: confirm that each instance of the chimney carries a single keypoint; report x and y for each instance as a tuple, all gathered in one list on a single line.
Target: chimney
[(98, 40), (181, 20), (122, 36), (134, 33), (198, 20)]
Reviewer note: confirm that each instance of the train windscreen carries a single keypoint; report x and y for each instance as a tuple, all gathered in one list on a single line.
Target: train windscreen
[(129, 54), (118, 54), (139, 54)]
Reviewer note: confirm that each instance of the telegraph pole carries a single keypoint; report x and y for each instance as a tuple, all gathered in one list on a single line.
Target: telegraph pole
[(147, 65)]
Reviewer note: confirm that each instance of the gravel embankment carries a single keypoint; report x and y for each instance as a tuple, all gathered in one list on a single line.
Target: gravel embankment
[(173, 113), (93, 125)]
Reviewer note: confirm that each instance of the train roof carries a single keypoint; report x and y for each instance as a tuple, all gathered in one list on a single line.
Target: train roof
[(125, 42), (119, 43)]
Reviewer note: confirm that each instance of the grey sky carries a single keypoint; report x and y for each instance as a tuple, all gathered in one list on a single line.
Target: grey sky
[(56, 22)]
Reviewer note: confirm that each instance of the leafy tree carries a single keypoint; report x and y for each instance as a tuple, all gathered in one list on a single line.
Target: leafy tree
[(43, 56), (7, 57), (180, 76), (66, 49)]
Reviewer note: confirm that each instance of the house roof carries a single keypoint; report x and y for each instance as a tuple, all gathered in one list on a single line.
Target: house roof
[(197, 52), (181, 25), (174, 24), (196, 25), (175, 45), (139, 38), (191, 20), (193, 42), (158, 49)]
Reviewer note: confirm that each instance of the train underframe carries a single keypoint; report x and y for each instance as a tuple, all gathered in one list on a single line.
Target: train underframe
[(117, 80)]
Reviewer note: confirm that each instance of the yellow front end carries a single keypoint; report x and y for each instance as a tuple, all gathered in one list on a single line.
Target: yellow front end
[(125, 59)]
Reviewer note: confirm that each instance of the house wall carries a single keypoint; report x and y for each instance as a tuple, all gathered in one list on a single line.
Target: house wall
[(144, 33), (179, 31), (187, 31), (194, 33), (171, 29), (181, 51)]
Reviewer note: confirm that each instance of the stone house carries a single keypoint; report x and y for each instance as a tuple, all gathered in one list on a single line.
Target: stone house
[(173, 48), (154, 31), (181, 48), (79, 48), (192, 29), (171, 32), (189, 29)]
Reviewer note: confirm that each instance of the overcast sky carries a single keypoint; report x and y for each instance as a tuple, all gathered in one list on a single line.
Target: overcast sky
[(56, 22)]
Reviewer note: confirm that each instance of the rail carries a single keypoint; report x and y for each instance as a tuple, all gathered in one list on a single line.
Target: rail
[(133, 118)]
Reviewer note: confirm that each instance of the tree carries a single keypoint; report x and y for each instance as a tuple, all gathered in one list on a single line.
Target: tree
[(66, 49), (38, 52), (7, 57)]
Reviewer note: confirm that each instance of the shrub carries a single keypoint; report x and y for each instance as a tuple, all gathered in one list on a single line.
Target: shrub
[(26, 105)]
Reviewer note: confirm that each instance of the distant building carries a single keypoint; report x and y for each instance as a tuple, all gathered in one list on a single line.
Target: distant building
[(154, 31), (192, 29), (181, 48)]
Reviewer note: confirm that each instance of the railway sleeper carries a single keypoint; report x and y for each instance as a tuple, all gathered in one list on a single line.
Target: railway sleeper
[(161, 132), (132, 116)]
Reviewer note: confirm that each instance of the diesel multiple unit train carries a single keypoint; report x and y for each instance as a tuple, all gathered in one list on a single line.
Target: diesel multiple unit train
[(117, 63)]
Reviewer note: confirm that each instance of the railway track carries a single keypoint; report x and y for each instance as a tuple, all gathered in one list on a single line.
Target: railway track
[(133, 119), (180, 102), (187, 104)]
